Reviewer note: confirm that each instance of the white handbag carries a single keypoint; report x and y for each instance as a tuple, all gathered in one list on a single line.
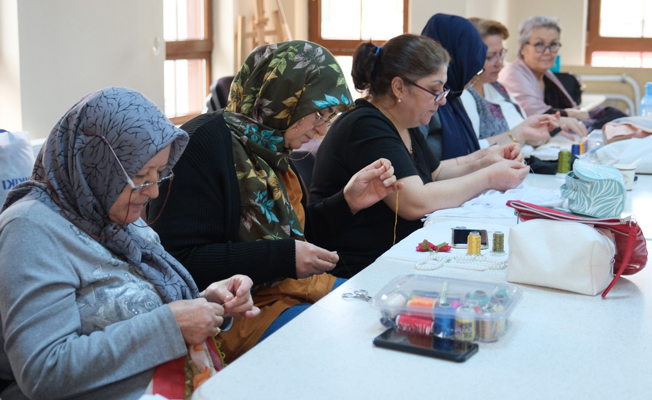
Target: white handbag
[(560, 254)]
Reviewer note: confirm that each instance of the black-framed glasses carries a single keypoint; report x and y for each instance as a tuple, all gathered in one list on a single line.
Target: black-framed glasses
[(541, 48), (438, 96), (321, 119), (134, 188), (497, 56)]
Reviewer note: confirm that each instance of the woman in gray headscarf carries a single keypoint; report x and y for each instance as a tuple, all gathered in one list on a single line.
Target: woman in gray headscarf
[(91, 304)]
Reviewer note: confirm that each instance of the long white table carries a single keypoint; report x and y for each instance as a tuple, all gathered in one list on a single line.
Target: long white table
[(558, 344)]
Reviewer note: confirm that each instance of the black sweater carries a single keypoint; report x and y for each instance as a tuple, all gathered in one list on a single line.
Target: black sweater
[(200, 222)]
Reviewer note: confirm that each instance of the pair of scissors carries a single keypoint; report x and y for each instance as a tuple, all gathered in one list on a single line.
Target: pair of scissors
[(357, 294)]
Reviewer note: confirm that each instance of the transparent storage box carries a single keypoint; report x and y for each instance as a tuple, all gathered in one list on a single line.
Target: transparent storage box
[(446, 307)]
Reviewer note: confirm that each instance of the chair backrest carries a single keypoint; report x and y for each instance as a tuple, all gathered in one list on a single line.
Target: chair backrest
[(571, 84), (219, 95)]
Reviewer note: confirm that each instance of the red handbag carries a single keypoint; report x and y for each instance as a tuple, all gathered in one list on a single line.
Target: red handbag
[(631, 248)]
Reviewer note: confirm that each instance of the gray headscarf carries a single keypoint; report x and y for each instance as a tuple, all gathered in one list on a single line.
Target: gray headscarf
[(87, 179)]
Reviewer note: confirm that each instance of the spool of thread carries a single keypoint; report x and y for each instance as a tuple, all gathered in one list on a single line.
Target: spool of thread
[(500, 320), (480, 296), (473, 241), (486, 325), (499, 297), (563, 164), (582, 147), (498, 243), (575, 149), (444, 321), (411, 323), (465, 324), (420, 305)]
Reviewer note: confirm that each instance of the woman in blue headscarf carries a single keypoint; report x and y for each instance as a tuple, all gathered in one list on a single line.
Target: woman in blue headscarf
[(468, 54)]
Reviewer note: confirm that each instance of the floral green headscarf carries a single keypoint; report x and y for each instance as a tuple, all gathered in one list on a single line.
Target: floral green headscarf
[(278, 85)]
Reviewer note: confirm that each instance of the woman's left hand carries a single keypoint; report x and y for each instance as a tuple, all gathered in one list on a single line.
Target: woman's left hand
[(370, 185), (235, 296), (511, 151), (534, 130)]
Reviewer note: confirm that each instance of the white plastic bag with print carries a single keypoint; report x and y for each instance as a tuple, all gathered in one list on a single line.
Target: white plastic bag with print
[(16, 160)]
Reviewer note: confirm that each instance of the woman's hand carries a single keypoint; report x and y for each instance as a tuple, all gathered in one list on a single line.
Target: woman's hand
[(235, 296), (313, 260), (507, 174), (577, 114), (370, 185), (571, 125), (511, 151), (534, 130), (198, 319)]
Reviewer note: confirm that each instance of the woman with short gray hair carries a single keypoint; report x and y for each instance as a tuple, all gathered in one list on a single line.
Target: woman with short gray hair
[(529, 80)]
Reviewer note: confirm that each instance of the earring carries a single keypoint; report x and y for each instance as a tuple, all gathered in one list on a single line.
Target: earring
[(399, 99)]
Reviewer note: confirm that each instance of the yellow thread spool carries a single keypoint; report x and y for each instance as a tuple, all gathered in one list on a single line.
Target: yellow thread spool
[(473, 243)]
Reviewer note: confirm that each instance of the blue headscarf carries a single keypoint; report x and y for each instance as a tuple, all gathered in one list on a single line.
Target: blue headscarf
[(468, 53), (87, 180)]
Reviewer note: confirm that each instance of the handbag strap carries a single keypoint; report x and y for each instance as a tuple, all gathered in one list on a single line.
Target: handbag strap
[(631, 241)]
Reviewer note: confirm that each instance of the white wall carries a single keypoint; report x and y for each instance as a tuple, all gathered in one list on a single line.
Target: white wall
[(69, 48), (10, 111)]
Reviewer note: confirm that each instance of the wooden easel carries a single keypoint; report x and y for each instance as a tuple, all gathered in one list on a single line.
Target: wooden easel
[(280, 32)]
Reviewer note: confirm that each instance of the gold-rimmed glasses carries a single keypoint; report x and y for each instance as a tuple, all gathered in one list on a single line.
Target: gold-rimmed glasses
[(321, 119), (134, 188)]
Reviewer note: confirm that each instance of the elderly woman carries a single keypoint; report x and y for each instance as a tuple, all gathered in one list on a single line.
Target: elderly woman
[(91, 306), (455, 135), (237, 207), (531, 83), (404, 82), (495, 115)]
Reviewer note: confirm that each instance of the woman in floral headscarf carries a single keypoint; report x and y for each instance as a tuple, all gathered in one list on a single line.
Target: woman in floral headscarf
[(92, 306), (235, 188)]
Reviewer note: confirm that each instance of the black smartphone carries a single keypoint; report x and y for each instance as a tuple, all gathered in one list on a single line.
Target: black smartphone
[(460, 235), (433, 346)]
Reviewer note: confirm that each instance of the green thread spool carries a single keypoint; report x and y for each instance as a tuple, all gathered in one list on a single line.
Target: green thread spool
[(563, 164), (498, 243)]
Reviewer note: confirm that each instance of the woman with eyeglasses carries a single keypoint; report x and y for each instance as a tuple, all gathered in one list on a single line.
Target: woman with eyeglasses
[(237, 206), (92, 306), (496, 116), (451, 133), (404, 83), (529, 80)]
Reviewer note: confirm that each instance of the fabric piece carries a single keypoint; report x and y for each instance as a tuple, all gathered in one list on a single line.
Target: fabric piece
[(520, 81), (627, 128), (634, 151), (277, 86), (73, 306), (272, 301), (355, 140), (87, 179), (468, 52)]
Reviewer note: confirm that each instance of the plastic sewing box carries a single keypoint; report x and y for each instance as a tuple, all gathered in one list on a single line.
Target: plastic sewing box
[(446, 307)]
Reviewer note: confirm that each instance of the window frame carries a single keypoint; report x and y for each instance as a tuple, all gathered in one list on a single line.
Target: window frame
[(194, 49), (342, 47), (595, 42)]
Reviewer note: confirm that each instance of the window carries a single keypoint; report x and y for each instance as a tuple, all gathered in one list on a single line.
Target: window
[(188, 43), (341, 25), (619, 33)]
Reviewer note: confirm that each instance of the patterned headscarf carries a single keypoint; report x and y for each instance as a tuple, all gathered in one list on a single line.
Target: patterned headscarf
[(278, 85), (87, 180)]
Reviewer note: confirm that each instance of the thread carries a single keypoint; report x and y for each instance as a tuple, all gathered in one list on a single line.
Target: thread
[(473, 241), (498, 243), (563, 164)]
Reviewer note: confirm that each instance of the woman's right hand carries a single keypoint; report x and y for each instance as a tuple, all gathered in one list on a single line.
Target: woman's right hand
[(571, 125), (507, 174), (198, 319), (313, 260)]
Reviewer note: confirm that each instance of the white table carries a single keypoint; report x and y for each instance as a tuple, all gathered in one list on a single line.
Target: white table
[(558, 345)]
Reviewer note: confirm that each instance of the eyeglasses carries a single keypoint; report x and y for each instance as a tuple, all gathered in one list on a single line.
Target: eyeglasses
[(438, 96), (497, 56), (134, 188), (540, 47), (321, 119)]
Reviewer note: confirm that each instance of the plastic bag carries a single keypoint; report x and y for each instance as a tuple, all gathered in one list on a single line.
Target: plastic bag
[(16, 160)]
